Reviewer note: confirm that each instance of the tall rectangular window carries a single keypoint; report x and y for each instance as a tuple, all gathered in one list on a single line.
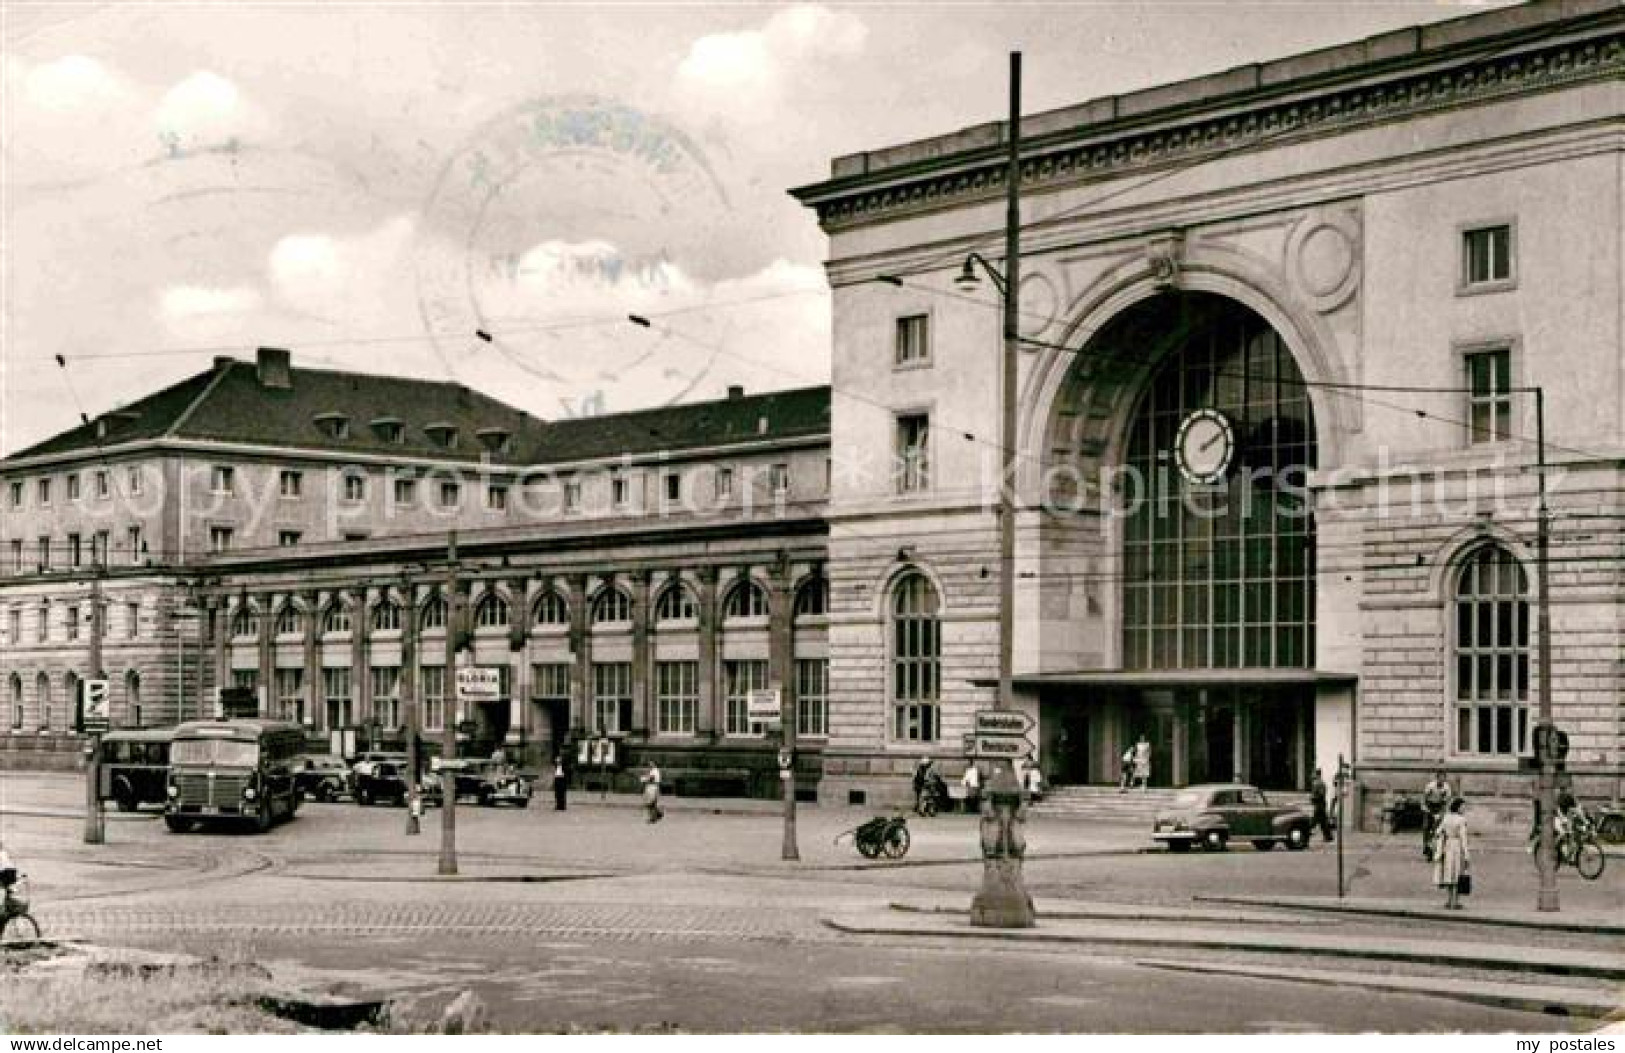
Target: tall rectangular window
[(611, 697), (355, 487), (913, 347), (17, 556), (1489, 402), (812, 697), (133, 481), (336, 690), (44, 491), (1486, 256), (70, 622), (496, 497), (42, 628), (291, 483), (101, 484), (100, 544), (572, 495), (740, 678), (16, 636), (913, 453), (450, 494), (220, 538), (618, 488), (16, 495), (132, 541), (75, 551), (73, 487), (290, 694), (44, 552), (1492, 651), (674, 486), (550, 683), (386, 695), (132, 620), (246, 678), (433, 684), (677, 697), (725, 483), (223, 479), (778, 478), (406, 491)]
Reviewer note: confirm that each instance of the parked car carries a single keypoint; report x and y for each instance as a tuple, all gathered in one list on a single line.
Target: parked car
[(1213, 815), (321, 777), (385, 782), (489, 782)]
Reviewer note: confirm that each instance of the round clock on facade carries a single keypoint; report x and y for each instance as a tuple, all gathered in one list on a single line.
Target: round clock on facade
[(1204, 447)]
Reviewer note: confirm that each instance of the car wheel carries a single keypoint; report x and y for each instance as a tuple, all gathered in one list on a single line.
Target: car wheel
[(1214, 840), (485, 798), (1179, 846), (324, 792), (177, 824), (262, 818), (1264, 844), (523, 802), (1297, 838), (363, 797)]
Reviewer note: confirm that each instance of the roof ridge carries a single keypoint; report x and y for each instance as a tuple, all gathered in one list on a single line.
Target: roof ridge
[(677, 406), (208, 389)]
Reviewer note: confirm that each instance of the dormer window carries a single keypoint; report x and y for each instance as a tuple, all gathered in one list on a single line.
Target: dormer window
[(442, 435), (333, 425), (495, 440), (390, 430)]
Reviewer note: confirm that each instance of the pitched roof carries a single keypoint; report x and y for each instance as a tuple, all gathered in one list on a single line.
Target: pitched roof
[(230, 404), (772, 416)]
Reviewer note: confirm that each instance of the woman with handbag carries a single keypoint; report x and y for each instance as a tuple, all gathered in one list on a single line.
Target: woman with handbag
[(1451, 860)]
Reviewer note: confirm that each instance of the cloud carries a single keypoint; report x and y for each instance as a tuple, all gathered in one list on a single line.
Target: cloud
[(205, 111), (73, 82), (744, 74), (69, 118), (353, 282)]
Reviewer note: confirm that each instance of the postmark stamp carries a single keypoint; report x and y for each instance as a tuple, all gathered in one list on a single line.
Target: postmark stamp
[(547, 227)]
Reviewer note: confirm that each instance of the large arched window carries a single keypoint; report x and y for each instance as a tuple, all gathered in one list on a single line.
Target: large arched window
[(611, 605), (16, 700), (434, 613), (916, 659), (70, 695), (745, 600), (550, 610), (676, 604), (1218, 572), (491, 612), (1492, 654)]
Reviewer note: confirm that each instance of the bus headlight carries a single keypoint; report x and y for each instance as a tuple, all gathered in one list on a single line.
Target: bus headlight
[(248, 793), (172, 790)]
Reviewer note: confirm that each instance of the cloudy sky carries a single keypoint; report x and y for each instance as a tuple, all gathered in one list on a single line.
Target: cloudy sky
[(370, 184)]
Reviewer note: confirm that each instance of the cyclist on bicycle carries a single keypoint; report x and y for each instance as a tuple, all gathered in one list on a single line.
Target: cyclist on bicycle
[(8, 873)]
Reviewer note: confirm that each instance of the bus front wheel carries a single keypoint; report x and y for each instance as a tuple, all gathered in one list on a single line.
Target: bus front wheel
[(177, 824)]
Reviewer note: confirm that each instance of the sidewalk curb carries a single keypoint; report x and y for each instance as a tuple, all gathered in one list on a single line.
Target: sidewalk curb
[(1378, 910), (494, 879), (1133, 912), (1530, 998), (1611, 969)]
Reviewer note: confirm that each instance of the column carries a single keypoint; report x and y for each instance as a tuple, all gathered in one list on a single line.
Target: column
[(222, 655), (360, 656), (709, 718), (642, 672), (267, 602), (315, 704), (412, 713), (581, 648), (519, 723), (1243, 718), (780, 664)]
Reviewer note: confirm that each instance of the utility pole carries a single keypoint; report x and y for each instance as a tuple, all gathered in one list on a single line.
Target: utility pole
[(448, 739), (1546, 734), (95, 828), (1003, 901), (408, 688)]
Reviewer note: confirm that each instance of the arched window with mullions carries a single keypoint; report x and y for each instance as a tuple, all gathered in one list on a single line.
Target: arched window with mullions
[(745, 600), (433, 615), (245, 623), (812, 599), (337, 618), (42, 692), (16, 700), (1492, 634), (611, 605), (676, 604), (550, 610), (491, 612), (386, 617), (290, 620), (916, 659)]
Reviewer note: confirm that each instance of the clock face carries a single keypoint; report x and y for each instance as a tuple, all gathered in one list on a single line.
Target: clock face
[(1204, 447)]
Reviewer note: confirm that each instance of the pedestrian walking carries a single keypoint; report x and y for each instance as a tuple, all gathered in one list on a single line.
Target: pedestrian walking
[(1033, 781), (561, 783), (1435, 796), (1128, 770), (972, 781), (1317, 800), (651, 793), (1142, 764), (922, 773), (1452, 862)]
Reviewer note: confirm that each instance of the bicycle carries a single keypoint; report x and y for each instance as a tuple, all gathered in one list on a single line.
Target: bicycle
[(14, 909), (1578, 847)]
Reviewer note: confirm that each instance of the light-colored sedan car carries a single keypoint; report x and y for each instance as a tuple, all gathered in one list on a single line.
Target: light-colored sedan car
[(1214, 815)]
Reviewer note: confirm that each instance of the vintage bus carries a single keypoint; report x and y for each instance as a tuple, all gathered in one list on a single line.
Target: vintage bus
[(135, 766), (233, 770)]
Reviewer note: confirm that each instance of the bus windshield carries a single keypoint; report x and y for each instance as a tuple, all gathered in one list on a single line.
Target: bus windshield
[(221, 752)]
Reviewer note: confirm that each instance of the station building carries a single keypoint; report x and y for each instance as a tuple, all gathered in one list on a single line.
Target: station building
[(1281, 329)]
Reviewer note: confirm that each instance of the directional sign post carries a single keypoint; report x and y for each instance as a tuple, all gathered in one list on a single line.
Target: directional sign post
[(476, 684), (1001, 734)]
